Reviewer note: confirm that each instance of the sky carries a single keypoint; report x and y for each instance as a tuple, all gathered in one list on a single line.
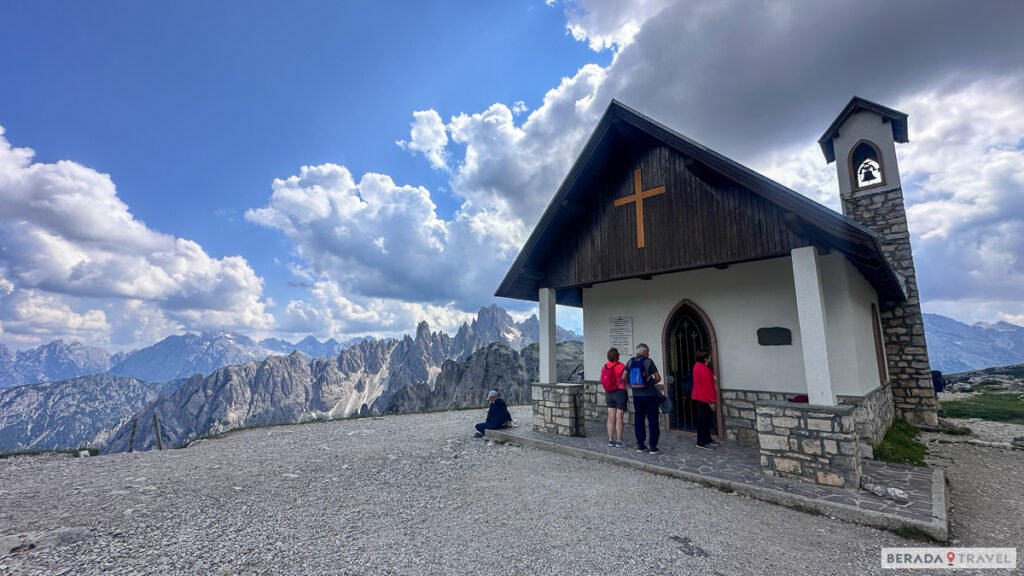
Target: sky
[(349, 168)]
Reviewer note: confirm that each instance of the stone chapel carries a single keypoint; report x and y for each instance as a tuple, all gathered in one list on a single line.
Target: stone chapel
[(664, 241)]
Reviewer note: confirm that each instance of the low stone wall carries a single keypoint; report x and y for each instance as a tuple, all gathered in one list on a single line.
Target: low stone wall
[(595, 409), (874, 414), (818, 444), (558, 409), (740, 416)]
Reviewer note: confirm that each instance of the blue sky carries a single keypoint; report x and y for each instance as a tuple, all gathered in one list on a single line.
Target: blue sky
[(195, 107), (203, 114)]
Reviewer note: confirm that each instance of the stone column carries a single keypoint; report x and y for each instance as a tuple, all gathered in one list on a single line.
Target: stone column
[(548, 351), (810, 306), (902, 325)]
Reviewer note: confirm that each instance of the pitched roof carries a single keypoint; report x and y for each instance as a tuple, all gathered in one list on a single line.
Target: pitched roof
[(895, 117), (823, 226)]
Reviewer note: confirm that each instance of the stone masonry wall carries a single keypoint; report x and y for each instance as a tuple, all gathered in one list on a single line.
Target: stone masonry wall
[(740, 416), (811, 443), (902, 324), (873, 414), (596, 409), (558, 409)]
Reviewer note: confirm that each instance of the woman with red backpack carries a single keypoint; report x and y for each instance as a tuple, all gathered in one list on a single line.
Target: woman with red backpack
[(615, 396)]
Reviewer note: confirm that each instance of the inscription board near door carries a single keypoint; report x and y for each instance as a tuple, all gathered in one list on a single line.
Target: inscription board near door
[(620, 334)]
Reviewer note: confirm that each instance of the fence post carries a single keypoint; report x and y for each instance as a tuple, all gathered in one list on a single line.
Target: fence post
[(156, 428), (131, 442)]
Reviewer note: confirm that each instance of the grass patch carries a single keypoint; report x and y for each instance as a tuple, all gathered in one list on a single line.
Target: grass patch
[(901, 446), (987, 406), (988, 386), (20, 453)]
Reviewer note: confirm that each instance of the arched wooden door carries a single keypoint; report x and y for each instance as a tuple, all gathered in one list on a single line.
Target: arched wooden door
[(687, 331)]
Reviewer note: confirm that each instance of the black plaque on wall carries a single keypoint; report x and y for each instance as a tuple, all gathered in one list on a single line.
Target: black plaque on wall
[(774, 337)]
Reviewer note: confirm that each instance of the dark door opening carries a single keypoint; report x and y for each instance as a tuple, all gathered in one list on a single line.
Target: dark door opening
[(686, 335)]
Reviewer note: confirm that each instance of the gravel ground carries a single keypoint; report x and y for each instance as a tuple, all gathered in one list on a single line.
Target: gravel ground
[(986, 494), (416, 495), (984, 430)]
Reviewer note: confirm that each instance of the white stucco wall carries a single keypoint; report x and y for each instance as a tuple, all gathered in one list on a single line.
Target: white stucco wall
[(851, 340), (737, 300)]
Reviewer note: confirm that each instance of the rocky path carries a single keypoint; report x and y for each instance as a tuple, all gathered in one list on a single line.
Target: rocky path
[(416, 495)]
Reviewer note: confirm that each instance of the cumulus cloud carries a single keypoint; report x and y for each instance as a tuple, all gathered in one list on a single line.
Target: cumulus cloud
[(428, 136), (963, 177), (765, 99), (608, 24), (329, 311), (31, 317), (66, 235)]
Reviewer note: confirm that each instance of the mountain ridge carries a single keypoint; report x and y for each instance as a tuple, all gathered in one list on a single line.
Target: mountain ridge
[(182, 355)]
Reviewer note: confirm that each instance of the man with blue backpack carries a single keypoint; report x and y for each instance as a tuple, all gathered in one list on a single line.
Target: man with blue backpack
[(642, 376)]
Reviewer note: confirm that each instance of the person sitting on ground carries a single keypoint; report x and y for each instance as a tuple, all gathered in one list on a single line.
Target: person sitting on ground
[(498, 415)]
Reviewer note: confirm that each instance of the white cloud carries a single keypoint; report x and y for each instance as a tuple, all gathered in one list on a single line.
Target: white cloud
[(963, 181), (31, 317), (67, 236), (608, 24), (681, 64), (428, 136), (329, 312)]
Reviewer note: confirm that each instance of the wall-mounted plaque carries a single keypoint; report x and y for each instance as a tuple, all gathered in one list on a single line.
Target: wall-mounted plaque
[(774, 337), (620, 334)]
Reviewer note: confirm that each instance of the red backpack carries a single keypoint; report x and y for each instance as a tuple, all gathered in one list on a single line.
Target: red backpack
[(608, 379)]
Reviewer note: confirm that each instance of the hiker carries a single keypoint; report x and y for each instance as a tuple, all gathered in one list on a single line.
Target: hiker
[(705, 396), (498, 415), (615, 396), (642, 376)]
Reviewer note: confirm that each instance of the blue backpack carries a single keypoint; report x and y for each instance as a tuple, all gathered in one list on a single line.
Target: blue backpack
[(638, 373)]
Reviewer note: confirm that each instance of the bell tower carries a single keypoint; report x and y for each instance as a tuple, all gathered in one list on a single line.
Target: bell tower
[(862, 143)]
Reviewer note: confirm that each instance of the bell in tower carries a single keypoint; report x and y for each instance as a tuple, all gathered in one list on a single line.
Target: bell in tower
[(868, 173), (865, 159)]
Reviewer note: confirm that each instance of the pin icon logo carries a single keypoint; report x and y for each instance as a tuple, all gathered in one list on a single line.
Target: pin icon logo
[(950, 556)]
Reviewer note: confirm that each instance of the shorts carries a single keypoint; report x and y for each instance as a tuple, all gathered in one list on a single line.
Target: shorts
[(617, 399)]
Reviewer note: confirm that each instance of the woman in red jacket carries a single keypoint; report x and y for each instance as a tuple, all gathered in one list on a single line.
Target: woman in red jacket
[(705, 396)]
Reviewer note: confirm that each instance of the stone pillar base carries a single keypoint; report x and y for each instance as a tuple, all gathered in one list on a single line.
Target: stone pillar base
[(811, 443), (559, 409)]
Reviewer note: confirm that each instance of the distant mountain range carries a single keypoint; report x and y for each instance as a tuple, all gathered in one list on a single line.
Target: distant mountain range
[(185, 355), (957, 347), (72, 413), (54, 361), (429, 371)]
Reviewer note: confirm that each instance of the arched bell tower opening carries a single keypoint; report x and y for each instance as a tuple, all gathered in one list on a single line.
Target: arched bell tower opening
[(866, 166)]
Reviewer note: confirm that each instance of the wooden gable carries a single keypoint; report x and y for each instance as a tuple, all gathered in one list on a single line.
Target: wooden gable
[(698, 221)]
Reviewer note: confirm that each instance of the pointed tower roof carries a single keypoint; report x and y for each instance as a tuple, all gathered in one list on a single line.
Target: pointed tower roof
[(895, 117)]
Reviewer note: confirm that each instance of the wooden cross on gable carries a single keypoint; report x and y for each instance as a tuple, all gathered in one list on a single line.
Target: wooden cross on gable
[(638, 196)]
